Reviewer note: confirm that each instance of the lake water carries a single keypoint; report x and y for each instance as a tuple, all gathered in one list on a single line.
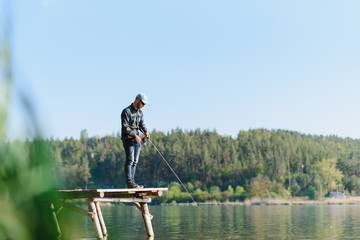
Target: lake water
[(230, 222)]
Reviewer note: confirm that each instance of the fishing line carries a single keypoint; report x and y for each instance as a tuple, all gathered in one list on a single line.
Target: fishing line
[(184, 185), (173, 172)]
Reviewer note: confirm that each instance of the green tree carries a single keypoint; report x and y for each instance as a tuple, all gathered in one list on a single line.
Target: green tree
[(330, 175), (84, 135), (228, 193), (311, 192), (259, 186)]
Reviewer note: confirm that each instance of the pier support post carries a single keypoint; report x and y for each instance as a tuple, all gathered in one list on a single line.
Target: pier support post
[(95, 218), (101, 219), (55, 219), (147, 219)]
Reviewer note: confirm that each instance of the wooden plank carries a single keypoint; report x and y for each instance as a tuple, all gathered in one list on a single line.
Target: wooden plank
[(128, 200), (131, 195), (63, 194), (110, 193), (132, 190), (146, 192)]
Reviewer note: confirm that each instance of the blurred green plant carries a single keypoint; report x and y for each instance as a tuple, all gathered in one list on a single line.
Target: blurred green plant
[(26, 171)]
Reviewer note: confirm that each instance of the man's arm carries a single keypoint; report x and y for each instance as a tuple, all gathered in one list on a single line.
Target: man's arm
[(143, 128)]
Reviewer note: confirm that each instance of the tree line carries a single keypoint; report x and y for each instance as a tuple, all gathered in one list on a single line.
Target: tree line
[(259, 162)]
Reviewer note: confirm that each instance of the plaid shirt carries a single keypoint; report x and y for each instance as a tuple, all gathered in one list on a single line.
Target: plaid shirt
[(131, 121)]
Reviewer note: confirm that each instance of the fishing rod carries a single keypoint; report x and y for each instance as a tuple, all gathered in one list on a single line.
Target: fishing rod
[(167, 163)]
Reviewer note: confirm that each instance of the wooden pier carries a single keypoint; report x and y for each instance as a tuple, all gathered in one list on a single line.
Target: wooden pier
[(139, 197)]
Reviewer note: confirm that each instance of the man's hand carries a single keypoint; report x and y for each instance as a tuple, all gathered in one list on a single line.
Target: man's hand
[(137, 139), (147, 135)]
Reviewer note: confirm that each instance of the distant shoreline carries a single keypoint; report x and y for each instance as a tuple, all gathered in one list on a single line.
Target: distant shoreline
[(278, 201), (297, 201)]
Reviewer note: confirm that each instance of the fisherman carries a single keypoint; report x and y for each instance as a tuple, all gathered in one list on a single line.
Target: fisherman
[(131, 122)]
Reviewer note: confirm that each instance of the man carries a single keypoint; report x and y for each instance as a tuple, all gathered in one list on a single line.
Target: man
[(131, 122)]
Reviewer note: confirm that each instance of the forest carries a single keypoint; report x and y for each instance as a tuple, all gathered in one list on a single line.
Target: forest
[(258, 163)]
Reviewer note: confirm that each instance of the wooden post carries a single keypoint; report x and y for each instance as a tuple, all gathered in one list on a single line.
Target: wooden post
[(147, 219), (101, 219), (95, 218), (138, 205), (55, 219)]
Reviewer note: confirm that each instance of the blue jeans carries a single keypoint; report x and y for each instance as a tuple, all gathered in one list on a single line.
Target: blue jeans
[(132, 151)]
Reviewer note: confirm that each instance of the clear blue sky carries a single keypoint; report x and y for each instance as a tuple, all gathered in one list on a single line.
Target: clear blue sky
[(224, 65)]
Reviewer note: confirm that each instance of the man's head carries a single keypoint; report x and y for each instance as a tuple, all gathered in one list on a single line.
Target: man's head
[(140, 101)]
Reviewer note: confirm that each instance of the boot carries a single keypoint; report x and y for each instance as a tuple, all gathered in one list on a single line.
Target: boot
[(134, 185)]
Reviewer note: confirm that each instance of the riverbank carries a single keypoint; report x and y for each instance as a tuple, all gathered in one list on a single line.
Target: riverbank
[(280, 201), (302, 201)]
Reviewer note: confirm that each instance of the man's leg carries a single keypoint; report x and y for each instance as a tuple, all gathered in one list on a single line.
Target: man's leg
[(137, 149), (130, 158)]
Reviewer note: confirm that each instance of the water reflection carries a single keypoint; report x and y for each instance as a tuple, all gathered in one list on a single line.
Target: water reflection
[(233, 222)]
